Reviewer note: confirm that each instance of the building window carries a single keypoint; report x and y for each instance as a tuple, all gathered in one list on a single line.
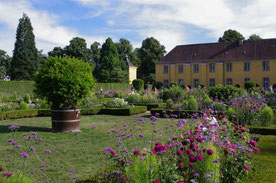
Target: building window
[(180, 69), (229, 67), (196, 83), (165, 83), (212, 67), (265, 65), (180, 82), (196, 68), (166, 69), (266, 83), (212, 82), (229, 81), (246, 66)]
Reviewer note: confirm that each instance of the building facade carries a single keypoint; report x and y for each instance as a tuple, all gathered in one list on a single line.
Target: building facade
[(131, 69), (228, 63)]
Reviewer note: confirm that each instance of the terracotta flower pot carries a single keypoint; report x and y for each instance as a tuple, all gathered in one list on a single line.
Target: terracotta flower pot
[(66, 119)]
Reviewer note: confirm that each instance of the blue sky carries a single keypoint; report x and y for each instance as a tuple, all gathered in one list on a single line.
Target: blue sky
[(172, 22)]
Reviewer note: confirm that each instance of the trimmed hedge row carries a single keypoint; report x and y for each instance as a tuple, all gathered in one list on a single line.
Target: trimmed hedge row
[(262, 130), (182, 114), (149, 106), (23, 87), (124, 111), (15, 114)]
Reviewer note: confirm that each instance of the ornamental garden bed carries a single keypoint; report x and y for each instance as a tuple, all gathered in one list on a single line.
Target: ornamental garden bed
[(149, 106)]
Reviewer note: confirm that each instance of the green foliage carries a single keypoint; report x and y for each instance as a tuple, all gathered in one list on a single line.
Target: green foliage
[(25, 61), (224, 93), (17, 178), (116, 103), (249, 85), (5, 61), (124, 111), (182, 114), (90, 111), (218, 106), (95, 54), (231, 36), (192, 103), (23, 106), (15, 114), (78, 49), (267, 116), (138, 84), (158, 85), (206, 100), (112, 86), (174, 93), (27, 98), (270, 99), (64, 82), (230, 113), (57, 52), (150, 53), (254, 37), (124, 48), (109, 60), (133, 98), (173, 84), (118, 75)]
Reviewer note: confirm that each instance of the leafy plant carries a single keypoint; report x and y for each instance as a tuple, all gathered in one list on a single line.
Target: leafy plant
[(138, 84), (64, 81)]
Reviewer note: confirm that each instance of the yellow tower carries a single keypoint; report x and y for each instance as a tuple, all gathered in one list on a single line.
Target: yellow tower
[(132, 70)]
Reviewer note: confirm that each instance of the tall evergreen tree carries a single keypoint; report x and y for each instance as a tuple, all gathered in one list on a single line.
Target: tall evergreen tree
[(56, 52), (150, 53), (25, 61), (109, 60), (95, 50)]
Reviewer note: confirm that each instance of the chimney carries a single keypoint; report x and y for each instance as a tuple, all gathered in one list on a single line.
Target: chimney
[(240, 42)]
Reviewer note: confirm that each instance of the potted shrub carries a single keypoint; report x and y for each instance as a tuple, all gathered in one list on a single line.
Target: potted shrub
[(64, 82)]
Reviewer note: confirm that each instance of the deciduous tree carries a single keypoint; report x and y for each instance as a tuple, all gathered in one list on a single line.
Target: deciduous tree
[(231, 36)]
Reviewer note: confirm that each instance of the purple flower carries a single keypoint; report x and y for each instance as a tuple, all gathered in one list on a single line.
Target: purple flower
[(246, 167), (32, 148), (13, 127), (72, 170), (153, 118), (141, 135), (13, 143), (10, 140), (179, 153), (48, 151), (42, 166), (108, 132), (24, 134), (200, 157), (192, 159), (23, 154), (17, 146), (137, 152), (216, 161), (196, 174), (33, 133), (142, 159), (40, 139), (93, 127), (74, 178)]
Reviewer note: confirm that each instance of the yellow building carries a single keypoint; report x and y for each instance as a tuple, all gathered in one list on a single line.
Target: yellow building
[(132, 70), (228, 63)]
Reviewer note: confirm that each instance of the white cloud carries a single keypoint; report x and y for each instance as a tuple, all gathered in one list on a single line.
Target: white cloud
[(48, 32)]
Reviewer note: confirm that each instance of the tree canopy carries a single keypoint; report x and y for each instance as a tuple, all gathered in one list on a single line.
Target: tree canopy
[(25, 61), (5, 61), (254, 37), (231, 36), (150, 53)]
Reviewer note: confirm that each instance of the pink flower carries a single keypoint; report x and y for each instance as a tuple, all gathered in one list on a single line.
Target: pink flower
[(188, 151), (180, 181), (112, 152), (256, 149), (192, 159), (246, 167), (8, 174), (23, 154), (137, 152), (200, 157), (179, 153), (209, 151)]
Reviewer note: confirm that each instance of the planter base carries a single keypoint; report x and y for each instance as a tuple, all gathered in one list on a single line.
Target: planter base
[(66, 120)]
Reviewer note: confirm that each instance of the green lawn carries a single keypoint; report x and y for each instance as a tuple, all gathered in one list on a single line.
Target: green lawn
[(84, 151)]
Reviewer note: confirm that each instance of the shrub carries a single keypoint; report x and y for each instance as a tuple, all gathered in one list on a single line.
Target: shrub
[(224, 93), (267, 116), (133, 98), (270, 99), (174, 93), (206, 100), (138, 84), (192, 103), (64, 81), (117, 103), (27, 98), (230, 113), (23, 106), (249, 85), (158, 85), (173, 84)]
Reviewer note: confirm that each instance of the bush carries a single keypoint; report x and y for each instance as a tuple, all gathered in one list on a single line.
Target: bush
[(267, 116), (230, 113), (133, 98), (117, 103), (192, 103), (158, 85), (174, 93), (207, 101), (173, 84), (27, 98), (18, 114), (64, 81), (23, 106), (138, 84), (270, 99), (224, 93), (249, 85)]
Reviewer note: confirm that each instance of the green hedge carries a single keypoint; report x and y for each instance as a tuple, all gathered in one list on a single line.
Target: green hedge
[(124, 111), (181, 114), (18, 114), (149, 106), (90, 111), (262, 130), (24, 87)]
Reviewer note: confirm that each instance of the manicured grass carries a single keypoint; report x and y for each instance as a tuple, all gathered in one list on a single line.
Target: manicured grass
[(83, 151), (264, 163)]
